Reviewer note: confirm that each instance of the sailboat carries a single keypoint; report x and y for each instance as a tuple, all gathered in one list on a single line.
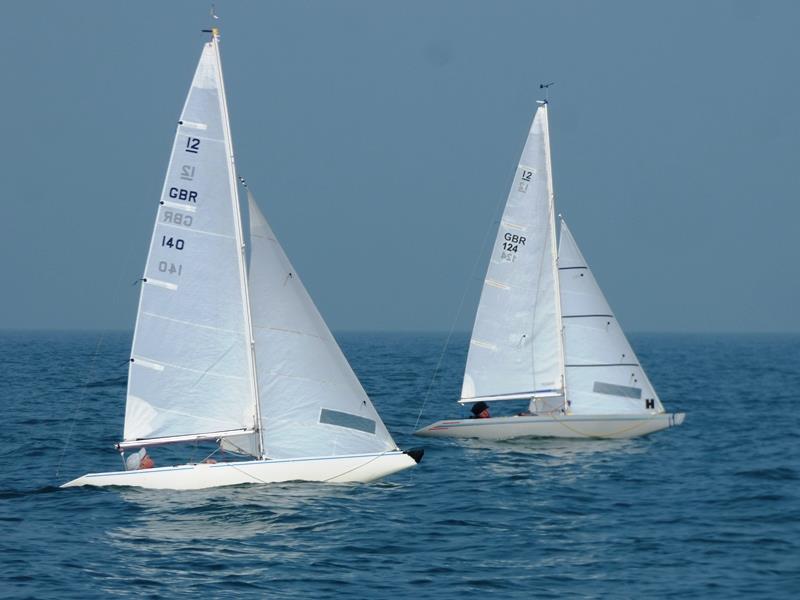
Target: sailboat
[(544, 332), (236, 358)]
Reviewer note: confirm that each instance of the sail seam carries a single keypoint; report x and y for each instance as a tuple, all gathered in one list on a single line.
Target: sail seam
[(289, 331), (174, 366), (196, 417), (154, 315), (207, 139), (585, 316), (183, 227), (278, 374)]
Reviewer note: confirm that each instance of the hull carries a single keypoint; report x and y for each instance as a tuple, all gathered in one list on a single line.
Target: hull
[(554, 426), (339, 469)]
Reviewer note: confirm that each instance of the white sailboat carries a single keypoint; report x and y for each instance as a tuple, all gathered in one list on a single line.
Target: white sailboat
[(238, 359), (544, 332)]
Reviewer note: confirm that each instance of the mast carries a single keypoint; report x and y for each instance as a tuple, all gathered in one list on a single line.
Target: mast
[(239, 239), (554, 253)]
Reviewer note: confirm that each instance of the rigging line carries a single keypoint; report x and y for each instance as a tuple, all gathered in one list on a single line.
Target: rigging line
[(243, 472), (214, 364), (582, 434), (217, 449), (360, 466), (93, 364), (500, 205), (81, 398), (372, 460)]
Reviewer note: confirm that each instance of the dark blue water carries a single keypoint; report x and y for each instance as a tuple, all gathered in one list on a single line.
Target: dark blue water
[(710, 509)]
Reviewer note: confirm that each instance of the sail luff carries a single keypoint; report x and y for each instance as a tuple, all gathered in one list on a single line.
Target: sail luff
[(554, 251), (240, 241)]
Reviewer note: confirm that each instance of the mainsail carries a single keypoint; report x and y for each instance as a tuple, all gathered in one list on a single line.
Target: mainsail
[(191, 371), (603, 373), (312, 404), (516, 350)]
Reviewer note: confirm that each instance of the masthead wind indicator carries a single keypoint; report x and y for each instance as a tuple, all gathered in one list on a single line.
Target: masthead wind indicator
[(546, 88)]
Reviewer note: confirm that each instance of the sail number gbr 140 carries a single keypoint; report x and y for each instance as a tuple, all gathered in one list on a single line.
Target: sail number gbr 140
[(172, 242)]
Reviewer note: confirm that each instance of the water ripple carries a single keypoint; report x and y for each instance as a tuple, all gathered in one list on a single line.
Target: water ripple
[(709, 509)]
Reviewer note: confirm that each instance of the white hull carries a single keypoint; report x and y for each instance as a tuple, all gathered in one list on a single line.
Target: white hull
[(338, 469), (554, 426)]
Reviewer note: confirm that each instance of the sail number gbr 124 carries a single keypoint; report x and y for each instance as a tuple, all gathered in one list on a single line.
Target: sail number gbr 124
[(511, 246)]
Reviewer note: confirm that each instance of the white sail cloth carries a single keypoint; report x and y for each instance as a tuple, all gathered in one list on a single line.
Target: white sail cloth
[(603, 372), (516, 346), (312, 404), (191, 365)]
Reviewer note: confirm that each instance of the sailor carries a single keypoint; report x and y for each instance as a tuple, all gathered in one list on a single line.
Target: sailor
[(139, 460), (480, 410)]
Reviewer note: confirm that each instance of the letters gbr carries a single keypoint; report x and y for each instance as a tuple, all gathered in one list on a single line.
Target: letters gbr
[(187, 174)]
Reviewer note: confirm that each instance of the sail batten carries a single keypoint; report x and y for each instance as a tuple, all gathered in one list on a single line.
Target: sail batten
[(516, 341), (191, 367)]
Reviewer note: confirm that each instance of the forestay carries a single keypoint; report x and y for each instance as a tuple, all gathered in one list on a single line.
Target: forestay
[(603, 373), (516, 347), (312, 404), (191, 366)]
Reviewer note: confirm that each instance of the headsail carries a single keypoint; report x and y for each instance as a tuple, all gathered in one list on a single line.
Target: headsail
[(516, 347), (603, 373), (312, 404), (191, 372)]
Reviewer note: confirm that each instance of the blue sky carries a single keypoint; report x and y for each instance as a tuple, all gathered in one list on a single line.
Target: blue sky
[(380, 139)]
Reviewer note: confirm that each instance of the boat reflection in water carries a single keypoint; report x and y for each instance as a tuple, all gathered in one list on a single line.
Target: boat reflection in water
[(535, 460)]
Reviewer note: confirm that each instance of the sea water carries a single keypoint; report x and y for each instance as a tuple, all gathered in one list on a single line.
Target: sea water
[(710, 509)]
